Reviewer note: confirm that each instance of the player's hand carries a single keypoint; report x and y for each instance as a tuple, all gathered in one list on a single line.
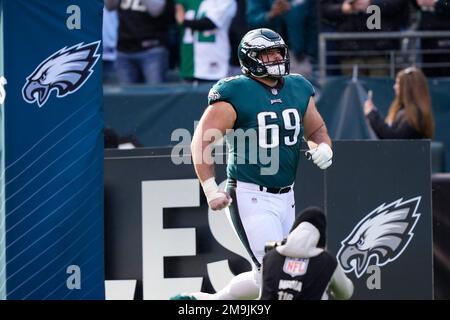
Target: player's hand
[(217, 200), (221, 202), (321, 155)]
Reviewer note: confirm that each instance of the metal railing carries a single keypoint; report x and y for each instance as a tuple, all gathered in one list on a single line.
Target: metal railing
[(410, 51)]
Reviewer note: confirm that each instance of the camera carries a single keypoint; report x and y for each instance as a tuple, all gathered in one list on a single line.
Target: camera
[(273, 244)]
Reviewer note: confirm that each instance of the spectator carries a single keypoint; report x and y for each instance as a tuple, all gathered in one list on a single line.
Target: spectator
[(410, 115), (435, 15), (299, 268), (143, 25), (238, 29), (110, 30), (110, 138), (205, 46), (351, 16), (298, 20), (332, 61)]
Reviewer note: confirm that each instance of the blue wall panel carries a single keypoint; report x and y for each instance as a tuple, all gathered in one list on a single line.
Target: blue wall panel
[(53, 149)]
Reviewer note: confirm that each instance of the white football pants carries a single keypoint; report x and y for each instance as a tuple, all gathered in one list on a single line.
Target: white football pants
[(259, 217)]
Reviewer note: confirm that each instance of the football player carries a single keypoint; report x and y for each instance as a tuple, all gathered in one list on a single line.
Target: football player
[(277, 109)]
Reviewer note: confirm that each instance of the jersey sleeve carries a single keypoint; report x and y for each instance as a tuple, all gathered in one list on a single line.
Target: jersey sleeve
[(306, 85), (305, 91), (309, 87), (220, 92)]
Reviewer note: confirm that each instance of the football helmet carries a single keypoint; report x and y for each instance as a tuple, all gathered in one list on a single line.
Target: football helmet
[(257, 42)]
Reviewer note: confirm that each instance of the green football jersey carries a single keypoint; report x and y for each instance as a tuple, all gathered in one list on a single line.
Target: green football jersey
[(264, 145)]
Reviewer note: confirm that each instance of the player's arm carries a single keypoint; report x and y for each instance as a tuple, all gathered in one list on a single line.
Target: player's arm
[(315, 128), (216, 119), (316, 131)]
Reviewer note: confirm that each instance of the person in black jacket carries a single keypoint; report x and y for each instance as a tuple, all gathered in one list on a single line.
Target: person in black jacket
[(410, 115), (297, 21), (435, 16), (352, 16), (299, 268), (142, 55)]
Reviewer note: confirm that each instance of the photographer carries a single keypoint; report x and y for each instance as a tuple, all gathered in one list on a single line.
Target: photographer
[(299, 268)]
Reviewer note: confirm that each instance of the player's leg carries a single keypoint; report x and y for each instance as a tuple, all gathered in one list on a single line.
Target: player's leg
[(244, 286), (255, 216)]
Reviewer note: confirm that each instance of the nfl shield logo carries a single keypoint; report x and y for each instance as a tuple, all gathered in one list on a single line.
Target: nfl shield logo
[(274, 91), (295, 266)]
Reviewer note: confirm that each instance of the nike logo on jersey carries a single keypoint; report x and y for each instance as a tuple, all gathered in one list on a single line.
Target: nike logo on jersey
[(272, 101)]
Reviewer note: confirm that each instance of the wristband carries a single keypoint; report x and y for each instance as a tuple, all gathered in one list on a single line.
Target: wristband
[(211, 189)]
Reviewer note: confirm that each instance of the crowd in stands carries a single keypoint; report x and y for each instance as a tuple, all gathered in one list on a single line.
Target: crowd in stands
[(156, 41)]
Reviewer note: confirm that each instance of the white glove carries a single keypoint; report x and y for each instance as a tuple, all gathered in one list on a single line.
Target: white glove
[(2, 89), (321, 155), (217, 200)]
